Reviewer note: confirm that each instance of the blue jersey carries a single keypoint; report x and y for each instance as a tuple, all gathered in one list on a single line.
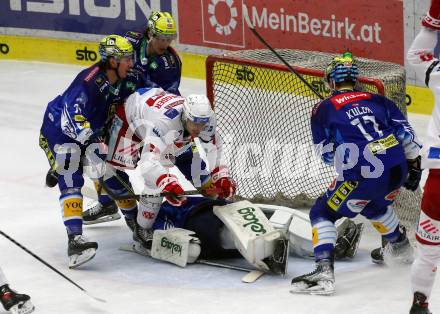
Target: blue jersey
[(171, 216), (82, 110), (157, 70), (368, 121)]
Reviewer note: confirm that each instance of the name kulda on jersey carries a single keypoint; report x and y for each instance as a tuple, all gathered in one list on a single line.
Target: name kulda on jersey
[(357, 111)]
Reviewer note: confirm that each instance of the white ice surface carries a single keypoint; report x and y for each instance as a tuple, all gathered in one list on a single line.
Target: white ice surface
[(30, 213)]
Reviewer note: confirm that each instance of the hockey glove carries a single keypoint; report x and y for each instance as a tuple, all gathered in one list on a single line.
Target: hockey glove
[(224, 184), (175, 193), (414, 174), (432, 18)]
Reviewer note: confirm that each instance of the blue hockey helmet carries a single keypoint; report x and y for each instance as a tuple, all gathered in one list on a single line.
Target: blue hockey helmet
[(342, 69)]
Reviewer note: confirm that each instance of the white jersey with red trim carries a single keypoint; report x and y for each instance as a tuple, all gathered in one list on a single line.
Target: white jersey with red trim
[(421, 57), (155, 118)]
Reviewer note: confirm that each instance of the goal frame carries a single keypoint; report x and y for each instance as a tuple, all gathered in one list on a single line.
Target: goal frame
[(212, 59)]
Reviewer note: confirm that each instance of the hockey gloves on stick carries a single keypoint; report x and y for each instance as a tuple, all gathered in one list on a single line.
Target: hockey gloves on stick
[(224, 184), (169, 184), (414, 173), (432, 18)]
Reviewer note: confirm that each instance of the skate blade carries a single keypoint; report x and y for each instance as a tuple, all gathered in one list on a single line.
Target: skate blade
[(22, 308), (321, 288), (136, 248), (79, 259), (107, 218), (252, 276)]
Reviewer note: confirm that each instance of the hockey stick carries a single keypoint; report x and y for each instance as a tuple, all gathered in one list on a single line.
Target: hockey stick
[(264, 42), (137, 196), (51, 267)]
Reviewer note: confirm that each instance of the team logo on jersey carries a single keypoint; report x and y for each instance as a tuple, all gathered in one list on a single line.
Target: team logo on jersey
[(392, 196), (4, 48), (332, 185), (341, 194), (383, 144), (428, 230), (171, 113), (356, 206), (434, 153), (154, 65), (343, 99), (429, 226)]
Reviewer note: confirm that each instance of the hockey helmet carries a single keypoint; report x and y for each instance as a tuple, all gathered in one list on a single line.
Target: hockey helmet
[(162, 25), (342, 69), (197, 109), (115, 46)]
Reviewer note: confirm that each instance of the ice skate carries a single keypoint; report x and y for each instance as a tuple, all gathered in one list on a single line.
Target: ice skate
[(14, 302), (399, 252), (131, 223), (143, 239), (320, 281), (377, 255), (80, 251), (419, 306), (99, 213)]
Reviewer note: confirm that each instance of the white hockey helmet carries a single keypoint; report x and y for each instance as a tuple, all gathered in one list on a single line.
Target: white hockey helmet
[(197, 109)]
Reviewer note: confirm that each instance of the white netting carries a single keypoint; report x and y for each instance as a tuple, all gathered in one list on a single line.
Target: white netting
[(263, 114)]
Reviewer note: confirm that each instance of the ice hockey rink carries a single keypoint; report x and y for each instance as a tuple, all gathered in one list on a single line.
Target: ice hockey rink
[(30, 213)]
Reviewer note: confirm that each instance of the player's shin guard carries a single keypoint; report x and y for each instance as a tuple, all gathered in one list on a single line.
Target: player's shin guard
[(71, 206), (323, 239), (424, 269), (387, 224), (148, 210)]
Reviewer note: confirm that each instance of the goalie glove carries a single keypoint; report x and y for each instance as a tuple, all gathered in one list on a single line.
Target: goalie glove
[(168, 183), (223, 183), (432, 18), (414, 174)]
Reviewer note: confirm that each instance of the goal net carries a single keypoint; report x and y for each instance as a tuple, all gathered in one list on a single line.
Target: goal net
[(263, 114)]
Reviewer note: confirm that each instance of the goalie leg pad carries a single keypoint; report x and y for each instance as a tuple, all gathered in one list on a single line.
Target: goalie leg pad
[(253, 234), (177, 246)]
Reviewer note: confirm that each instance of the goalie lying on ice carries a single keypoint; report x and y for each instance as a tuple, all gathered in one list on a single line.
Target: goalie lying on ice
[(213, 229)]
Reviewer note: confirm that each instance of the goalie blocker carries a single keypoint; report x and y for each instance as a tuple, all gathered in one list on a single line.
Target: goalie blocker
[(214, 229)]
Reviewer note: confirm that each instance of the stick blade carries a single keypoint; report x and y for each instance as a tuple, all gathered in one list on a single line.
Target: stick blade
[(252, 276)]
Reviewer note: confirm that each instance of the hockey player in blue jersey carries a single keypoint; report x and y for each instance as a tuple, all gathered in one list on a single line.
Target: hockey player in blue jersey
[(72, 127), (374, 151), (157, 64)]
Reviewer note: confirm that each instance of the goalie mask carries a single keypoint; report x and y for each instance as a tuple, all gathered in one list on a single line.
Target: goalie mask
[(342, 69), (197, 112)]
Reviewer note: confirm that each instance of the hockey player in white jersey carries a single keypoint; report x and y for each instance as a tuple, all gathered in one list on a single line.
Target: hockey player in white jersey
[(12, 301), (427, 66), (155, 131)]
